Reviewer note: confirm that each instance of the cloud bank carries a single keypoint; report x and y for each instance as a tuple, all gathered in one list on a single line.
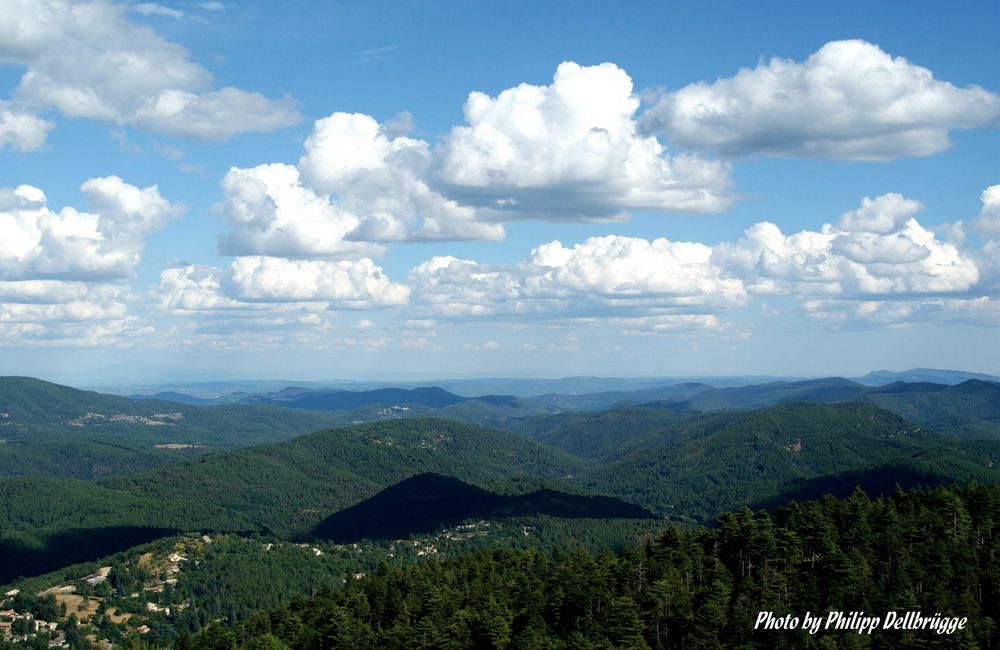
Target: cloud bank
[(62, 274), (89, 60), (847, 100)]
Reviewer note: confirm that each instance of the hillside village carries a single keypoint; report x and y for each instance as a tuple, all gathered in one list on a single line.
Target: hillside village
[(143, 595)]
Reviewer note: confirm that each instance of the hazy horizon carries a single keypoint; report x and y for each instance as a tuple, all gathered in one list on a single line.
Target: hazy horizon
[(379, 197)]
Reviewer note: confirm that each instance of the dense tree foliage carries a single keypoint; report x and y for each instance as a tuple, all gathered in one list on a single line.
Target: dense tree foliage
[(606, 435), (289, 487), (933, 551), (52, 430), (679, 465), (970, 409), (726, 461)]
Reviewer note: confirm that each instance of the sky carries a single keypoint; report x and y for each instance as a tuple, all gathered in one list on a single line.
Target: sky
[(365, 190)]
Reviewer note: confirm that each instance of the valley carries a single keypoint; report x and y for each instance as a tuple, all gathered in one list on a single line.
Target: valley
[(265, 499)]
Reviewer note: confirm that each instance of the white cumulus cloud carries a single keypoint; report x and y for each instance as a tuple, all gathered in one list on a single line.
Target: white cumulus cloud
[(257, 283), (20, 130), (345, 284), (273, 213), (987, 223), (61, 273), (383, 180), (848, 100), (103, 243), (87, 59), (878, 249), (567, 151), (601, 276), (572, 150), (875, 264), (67, 314)]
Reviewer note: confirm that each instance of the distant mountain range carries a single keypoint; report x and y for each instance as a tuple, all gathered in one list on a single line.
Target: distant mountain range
[(47, 429), (687, 450), (53, 430), (212, 392), (968, 408), (929, 375)]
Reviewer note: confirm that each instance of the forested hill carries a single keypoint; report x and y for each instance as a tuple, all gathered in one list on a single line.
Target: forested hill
[(606, 435), (711, 464), (933, 552), (52, 430), (286, 488), (969, 409), (47, 523), (427, 502), (343, 400), (291, 486)]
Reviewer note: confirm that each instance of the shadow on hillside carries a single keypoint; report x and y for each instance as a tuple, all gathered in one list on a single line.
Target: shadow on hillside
[(429, 502), (20, 557), (874, 481)]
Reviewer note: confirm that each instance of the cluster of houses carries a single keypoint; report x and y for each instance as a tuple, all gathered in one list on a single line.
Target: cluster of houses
[(157, 419), (20, 627), (12, 630)]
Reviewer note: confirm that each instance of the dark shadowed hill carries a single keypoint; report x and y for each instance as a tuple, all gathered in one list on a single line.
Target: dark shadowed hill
[(427, 502), (875, 482)]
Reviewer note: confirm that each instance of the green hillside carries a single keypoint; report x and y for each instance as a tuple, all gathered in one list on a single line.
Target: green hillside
[(970, 409), (736, 459), (285, 488), (290, 486), (52, 430), (927, 552), (604, 435), (46, 523)]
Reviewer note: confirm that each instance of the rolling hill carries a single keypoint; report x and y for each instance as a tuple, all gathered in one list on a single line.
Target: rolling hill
[(52, 430), (427, 502), (603, 435), (734, 459), (965, 408), (46, 523), (345, 400), (281, 488), (970, 409), (289, 487), (923, 375)]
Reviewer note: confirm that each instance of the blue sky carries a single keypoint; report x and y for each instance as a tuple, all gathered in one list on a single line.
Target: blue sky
[(314, 191)]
